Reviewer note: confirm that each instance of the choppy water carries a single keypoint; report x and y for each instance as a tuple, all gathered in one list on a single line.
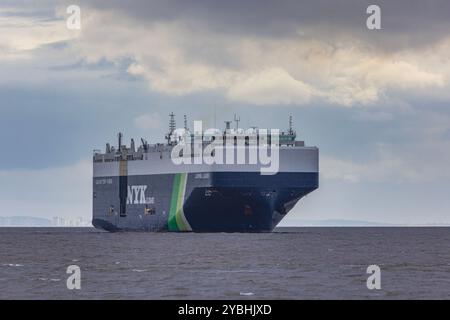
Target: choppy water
[(300, 263)]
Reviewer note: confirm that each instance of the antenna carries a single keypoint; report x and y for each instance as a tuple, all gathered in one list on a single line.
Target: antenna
[(185, 123), (237, 119), (172, 125), (119, 137)]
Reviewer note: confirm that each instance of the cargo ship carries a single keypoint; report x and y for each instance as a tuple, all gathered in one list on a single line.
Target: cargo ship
[(144, 189)]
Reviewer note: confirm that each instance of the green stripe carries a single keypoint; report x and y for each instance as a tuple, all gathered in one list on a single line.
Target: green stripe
[(180, 201), (177, 220), (173, 203), (182, 226)]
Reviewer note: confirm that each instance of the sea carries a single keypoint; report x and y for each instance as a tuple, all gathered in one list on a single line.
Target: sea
[(290, 263)]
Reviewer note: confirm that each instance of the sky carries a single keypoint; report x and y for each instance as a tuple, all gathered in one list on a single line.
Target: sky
[(375, 102)]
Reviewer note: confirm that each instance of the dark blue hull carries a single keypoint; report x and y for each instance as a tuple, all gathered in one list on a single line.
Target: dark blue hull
[(199, 202), (239, 209)]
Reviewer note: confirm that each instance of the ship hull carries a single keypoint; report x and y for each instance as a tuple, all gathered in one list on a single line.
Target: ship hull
[(198, 201)]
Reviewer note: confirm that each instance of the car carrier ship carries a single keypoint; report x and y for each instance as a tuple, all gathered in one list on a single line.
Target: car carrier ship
[(142, 189)]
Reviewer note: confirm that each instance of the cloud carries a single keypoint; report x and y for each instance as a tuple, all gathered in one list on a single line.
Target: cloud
[(382, 169), (21, 34), (148, 121), (180, 51), (60, 191), (419, 161), (407, 23), (270, 86), (411, 148), (180, 57)]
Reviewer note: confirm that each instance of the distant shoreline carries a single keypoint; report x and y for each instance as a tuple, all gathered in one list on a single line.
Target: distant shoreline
[(277, 229), (33, 222)]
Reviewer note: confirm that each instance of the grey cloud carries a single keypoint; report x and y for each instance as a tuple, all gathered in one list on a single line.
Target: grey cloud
[(404, 23)]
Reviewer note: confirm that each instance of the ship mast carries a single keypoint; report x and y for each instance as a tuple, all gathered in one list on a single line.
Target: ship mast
[(172, 127), (291, 131)]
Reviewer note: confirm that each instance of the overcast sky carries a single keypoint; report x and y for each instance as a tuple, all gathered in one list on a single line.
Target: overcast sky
[(375, 102)]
